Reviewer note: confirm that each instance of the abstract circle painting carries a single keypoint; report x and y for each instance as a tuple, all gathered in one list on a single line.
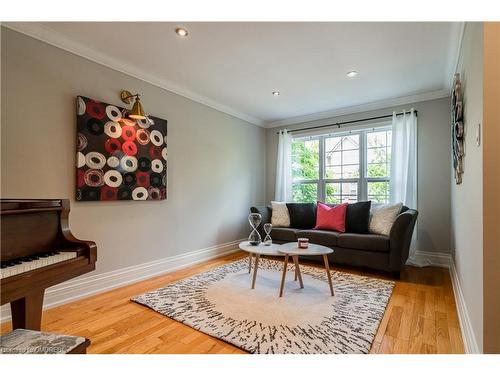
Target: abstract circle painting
[(118, 158)]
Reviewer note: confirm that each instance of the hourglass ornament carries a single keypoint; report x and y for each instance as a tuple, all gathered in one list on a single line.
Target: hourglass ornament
[(267, 239), (254, 219)]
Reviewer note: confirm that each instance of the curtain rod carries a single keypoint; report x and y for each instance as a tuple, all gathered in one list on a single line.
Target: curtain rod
[(347, 122)]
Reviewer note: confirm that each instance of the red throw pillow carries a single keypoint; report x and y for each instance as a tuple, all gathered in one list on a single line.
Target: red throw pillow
[(331, 218)]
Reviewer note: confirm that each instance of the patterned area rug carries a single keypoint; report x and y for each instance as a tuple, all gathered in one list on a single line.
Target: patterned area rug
[(221, 303)]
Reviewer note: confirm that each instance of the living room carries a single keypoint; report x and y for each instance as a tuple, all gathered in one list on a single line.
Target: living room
[(311, 200)]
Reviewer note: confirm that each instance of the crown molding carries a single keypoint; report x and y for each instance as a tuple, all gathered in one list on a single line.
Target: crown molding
[(49, 36), (393, 102)]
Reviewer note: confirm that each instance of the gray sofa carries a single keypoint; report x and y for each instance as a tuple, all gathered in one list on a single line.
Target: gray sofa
[(384, 253)]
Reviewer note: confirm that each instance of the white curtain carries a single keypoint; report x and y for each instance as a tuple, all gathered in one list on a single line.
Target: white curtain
[(403, 183), (283, 189)]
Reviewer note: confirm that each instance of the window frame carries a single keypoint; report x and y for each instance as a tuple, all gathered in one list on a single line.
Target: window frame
[(363, 180), (320, 165)]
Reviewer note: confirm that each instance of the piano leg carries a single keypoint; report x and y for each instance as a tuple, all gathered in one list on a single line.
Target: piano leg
[(27, 311)]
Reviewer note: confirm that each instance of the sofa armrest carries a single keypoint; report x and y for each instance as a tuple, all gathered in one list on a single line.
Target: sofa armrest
[(400, 239)]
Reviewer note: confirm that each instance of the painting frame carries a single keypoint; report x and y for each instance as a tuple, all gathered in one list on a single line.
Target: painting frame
[(119, 158)]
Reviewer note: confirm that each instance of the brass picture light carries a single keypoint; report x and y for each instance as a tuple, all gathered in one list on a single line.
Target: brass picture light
[(137, 112)]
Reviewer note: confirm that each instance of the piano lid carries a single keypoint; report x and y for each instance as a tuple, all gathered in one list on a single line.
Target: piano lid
[(9, 205)]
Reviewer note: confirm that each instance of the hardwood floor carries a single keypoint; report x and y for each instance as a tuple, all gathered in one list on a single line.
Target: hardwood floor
[(421, 317)]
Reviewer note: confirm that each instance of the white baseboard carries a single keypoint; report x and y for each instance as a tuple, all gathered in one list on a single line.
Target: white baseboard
[(446, 260), (468, 337), (86, 286)]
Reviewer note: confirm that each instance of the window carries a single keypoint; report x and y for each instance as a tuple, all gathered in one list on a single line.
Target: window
[(342, 167), (341, 176), (305, 170), (378, 165)]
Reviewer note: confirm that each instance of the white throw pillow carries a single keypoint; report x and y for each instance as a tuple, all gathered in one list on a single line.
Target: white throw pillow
[(280, 216), (382, 217)]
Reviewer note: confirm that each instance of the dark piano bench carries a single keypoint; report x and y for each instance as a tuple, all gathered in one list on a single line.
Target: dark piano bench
[(25, 341)]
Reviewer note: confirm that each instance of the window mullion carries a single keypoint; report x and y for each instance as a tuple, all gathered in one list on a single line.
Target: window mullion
[(321, 184), (362, 186)]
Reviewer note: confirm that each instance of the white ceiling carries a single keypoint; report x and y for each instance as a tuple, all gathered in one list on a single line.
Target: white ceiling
[(234, 67)]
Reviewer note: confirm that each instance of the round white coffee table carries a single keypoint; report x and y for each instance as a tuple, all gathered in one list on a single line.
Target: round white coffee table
[(256, 251), (292, 249)]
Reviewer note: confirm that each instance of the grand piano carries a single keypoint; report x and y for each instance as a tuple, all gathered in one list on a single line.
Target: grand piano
[(37, 252)]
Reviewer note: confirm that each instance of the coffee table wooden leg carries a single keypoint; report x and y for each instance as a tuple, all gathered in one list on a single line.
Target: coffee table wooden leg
[(327, 267), (285, 266), (297, 270), (249, 262), (256, 267)]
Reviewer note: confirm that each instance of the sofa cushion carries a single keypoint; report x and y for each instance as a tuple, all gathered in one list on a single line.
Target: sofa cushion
[(358, 217), (280, 216), (284, 234), (302, 215), (383, 217), (319, 237), (331, 218), (372, 242)]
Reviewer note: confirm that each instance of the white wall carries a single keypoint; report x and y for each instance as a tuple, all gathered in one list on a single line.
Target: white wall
[(433, 168), (467, 198), (215, 168)]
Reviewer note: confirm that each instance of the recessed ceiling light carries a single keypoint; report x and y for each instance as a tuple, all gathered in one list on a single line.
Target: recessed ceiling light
[(275, 93), (352, 74), (181, 32)]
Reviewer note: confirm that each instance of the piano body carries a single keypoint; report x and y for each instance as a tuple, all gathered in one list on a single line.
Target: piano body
[(37, 252)]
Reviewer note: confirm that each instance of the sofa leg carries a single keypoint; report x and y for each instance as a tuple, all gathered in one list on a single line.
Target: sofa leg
[(396, 275)]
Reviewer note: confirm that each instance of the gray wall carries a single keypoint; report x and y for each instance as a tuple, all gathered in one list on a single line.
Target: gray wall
[(467, 198), (433, 168), (215, 168)]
